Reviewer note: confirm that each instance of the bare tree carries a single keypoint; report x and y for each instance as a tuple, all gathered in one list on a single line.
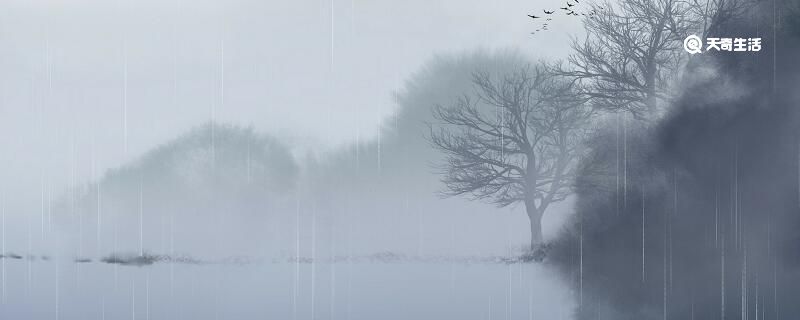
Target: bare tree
[(632, 51), (711, 15), (524, 147)]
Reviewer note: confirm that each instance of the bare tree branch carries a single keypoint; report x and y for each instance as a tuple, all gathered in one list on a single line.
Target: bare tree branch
[(519, 139), (633, 50)]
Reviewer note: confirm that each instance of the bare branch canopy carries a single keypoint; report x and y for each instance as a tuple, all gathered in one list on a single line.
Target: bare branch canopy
[(518, 138)]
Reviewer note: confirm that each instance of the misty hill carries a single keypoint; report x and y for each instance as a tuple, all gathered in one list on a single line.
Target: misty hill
[(224, 189), (212, 180), (211, 165)]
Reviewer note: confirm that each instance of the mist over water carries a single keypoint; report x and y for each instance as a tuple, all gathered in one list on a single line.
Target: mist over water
[(246, 160), (218, 219), (281, 290)]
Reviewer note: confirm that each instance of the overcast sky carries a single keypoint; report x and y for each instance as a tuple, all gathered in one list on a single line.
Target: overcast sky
[(320, 71)]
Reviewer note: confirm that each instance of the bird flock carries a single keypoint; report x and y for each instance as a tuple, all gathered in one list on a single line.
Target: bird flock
[(571, 9)]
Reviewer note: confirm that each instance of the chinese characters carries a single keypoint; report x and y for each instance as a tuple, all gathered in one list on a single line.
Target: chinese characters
[(734, 44), (693, 44)]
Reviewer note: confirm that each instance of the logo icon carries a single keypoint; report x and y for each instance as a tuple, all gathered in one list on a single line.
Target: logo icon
[(693, 44)]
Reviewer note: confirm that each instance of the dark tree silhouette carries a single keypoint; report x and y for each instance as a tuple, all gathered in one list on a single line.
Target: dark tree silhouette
[(525, 150)]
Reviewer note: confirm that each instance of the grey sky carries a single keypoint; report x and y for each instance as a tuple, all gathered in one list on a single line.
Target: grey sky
[(321, 72)]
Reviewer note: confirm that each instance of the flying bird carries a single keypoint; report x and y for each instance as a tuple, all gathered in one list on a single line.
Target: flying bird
[(564, 8), (570, 5), (533, 17), (548, 12)]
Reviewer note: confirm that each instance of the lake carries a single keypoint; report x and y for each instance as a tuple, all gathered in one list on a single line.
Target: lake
[(63, 289)]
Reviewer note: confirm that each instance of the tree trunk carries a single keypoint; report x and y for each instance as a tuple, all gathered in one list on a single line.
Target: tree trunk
[(536, 226)]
